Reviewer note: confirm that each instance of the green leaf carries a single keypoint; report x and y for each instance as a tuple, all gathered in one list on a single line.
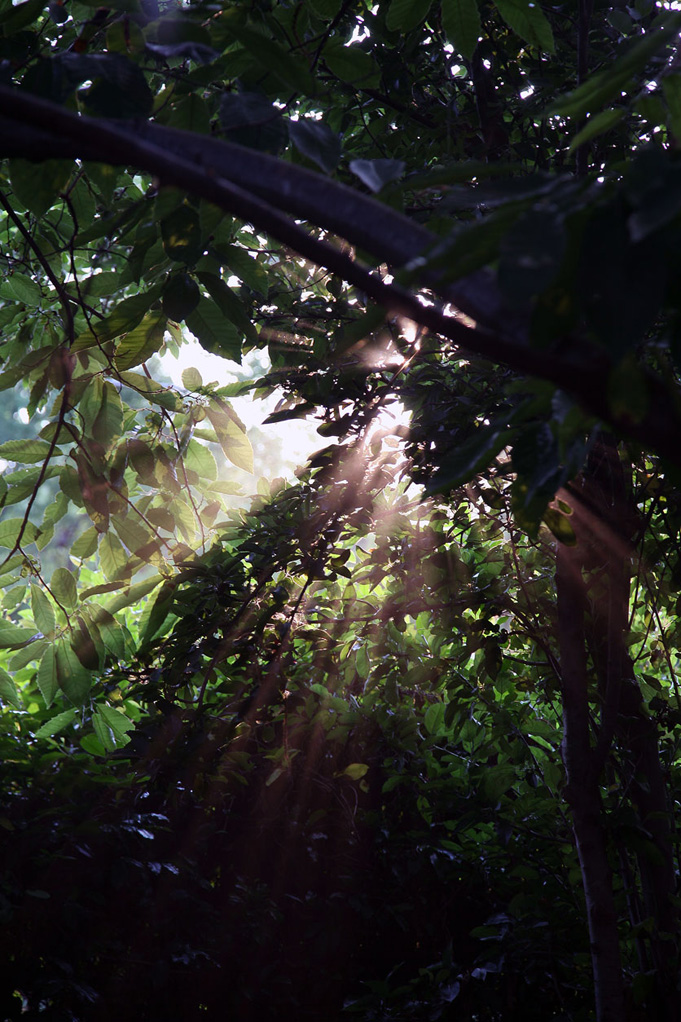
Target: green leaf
[(63, 586), (191, 379), (157, 612), (290, 70), (246, 267), (125, 317), (141, 343), (469, 459), (213, 331), (671, 88), (86, 544), (462, 25), (527, 19), (607, 86), (118, 723), (112, 634), (28, 654), (559, 525), (133, 593), (38, 185), (231, 435), (113, 557), (496, 781), (375, 174), (199, 459), (8, 692), (597, 125), (75, 680), (317, 141), (251, 120), (180, 296), (11, 529), (25, 452), (21, 289), (355, 771), (405, 15), (228, 303), (43, 611), (352, 65), (103, 731), (56, 724), (181, 233), (46, 675)]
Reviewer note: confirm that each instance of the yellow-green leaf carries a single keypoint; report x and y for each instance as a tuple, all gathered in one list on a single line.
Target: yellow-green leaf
[(63, 586), (42, 610), (46, 676), (8, 692)]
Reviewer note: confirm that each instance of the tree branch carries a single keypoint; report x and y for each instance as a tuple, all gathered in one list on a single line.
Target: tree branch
[(256, 187)]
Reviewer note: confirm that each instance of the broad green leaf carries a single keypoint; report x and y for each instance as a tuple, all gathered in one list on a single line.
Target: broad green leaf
[(133, 593), (191, 379), (141, 343), (75, 680), (375, 174), (352, 65), (597, 125), (181, 233), (250, 119), (125, 317), (25, 452), (671, 88), (607, 86), (64, 588), (13, 528), (103, 731), (231, 435), (462, 25), (21, 289), (496, 780), (434, 719), (156, 612), (405, 15), (117, 722), (180, 296), (560, 526), (214, 331), (56, 724), (466, 461), (527, 19), (8, 692), (37, 185), (199, 459), (134, 533), (113, 635), (113, 557), (246, 267), (43, 611), (228, 302), (86, 544), (355, 771), (46, 675), (291, 70), (317, 140), (31, 651)]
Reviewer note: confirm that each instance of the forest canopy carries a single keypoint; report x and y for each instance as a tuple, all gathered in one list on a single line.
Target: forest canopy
[(397, 736)]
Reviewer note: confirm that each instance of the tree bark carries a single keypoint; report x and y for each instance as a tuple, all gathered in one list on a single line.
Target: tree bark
[(582, 790)]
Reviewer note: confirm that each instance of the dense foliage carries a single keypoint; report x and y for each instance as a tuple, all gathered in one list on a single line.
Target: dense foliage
[(397, 738)]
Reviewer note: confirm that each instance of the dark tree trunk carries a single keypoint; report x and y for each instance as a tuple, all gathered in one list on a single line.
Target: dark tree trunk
[(582, 791), (593, 582)]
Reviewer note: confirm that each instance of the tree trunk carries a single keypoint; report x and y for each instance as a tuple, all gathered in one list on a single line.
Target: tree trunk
[(593, 583), (582, 792)]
